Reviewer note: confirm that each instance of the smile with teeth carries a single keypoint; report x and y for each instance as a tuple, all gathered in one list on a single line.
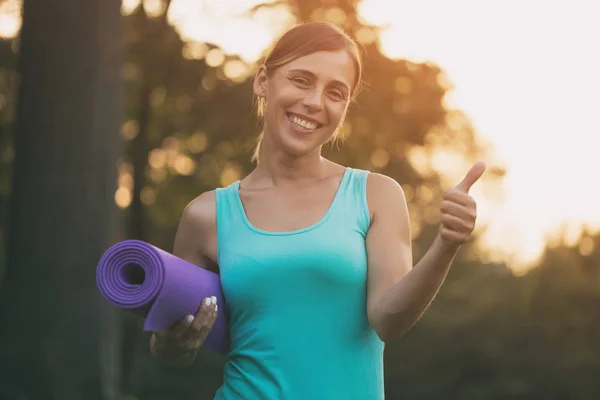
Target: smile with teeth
[(302, 123)]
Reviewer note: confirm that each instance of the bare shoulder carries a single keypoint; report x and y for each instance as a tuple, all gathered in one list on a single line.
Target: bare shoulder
[(382, 183), (384, 194), (196, 238), (202, 210)]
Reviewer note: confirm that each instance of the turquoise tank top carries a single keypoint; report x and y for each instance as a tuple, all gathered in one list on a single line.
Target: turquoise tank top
[(296, 303)]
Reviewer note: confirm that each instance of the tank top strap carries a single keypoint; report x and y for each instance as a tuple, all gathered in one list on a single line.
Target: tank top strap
[(229, 219), (353, 199)]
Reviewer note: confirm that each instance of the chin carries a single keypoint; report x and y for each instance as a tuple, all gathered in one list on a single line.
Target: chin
[(296, 149)]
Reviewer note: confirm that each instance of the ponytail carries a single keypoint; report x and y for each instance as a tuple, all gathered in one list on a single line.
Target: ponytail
[(256, 154)]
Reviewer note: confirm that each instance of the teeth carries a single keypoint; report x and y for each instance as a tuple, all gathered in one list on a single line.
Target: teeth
[(304, 124)]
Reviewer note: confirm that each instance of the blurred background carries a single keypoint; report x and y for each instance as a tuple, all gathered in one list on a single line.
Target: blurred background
[(114, 115)]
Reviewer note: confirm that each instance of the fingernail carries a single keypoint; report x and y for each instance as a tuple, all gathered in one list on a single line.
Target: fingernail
[(207, 301), (216, 308), (189, 319), (214, 299)]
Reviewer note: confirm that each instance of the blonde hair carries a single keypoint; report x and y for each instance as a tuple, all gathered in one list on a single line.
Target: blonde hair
[(300, 41)]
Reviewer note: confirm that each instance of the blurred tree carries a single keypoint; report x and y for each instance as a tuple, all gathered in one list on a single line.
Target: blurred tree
[(8, 87), (62, 213), (178, 121), (148, 44), (489, 334), (493, 335)]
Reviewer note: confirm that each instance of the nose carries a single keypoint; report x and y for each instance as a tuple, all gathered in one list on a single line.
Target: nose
[(313, 100)]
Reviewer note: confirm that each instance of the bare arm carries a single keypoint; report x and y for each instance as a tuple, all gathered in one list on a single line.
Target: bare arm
[(195, 236), (397, 293)]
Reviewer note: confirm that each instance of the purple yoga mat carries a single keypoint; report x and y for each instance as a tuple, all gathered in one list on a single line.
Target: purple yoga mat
[(139, 277)]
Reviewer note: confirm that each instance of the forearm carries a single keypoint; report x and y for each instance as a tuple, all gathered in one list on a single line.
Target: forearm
[(175, 358), (404, 303)]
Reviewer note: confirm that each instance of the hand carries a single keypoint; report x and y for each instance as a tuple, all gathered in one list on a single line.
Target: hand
[(191, 332), (459, 210)]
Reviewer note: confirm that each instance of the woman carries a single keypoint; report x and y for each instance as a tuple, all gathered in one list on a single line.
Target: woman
[(314, 257)]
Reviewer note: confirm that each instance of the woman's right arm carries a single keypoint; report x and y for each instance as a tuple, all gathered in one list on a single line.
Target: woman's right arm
[(196, 232)]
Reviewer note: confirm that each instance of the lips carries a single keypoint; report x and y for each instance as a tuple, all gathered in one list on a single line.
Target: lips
[(304, 122)]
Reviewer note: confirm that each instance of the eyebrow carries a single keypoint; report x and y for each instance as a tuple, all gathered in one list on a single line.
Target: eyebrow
[(312, 75)]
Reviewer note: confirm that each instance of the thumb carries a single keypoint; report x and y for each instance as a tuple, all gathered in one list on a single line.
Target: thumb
[(472, 176)]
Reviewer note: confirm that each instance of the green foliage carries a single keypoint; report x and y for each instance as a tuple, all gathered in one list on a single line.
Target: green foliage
[(492, 335)]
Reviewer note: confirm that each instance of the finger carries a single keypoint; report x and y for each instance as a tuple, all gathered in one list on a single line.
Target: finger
[(472, 176), (183, 326), (214, 315), (457, 224), (196, 335), (206, 306), (459, 197), (202, 319), (457, 210)]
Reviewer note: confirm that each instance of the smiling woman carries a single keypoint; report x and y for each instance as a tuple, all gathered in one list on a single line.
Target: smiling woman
[(314, 257), (305, 57)]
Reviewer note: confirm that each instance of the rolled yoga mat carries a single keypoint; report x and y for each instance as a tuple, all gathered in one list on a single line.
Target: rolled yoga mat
[(141, 278)]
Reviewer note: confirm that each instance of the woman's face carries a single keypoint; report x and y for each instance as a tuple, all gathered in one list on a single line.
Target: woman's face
[(306, 100)]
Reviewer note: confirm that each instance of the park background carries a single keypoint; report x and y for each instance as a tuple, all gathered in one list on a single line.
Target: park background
[(114, 115)]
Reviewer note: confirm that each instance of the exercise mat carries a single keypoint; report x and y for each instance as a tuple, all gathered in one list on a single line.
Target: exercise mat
[(162, 288)]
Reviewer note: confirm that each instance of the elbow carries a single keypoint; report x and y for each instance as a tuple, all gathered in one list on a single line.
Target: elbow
[(382, 331), (377, 323), (383, 335), (388, 335), (389, 330)]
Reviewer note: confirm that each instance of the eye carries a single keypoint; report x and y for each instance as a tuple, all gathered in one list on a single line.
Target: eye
[(300, 80), (337, 95)]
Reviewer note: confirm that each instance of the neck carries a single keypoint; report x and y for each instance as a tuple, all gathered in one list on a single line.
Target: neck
[(277, 168)]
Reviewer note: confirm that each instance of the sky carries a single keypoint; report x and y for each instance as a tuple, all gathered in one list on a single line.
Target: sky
[(526, 73)]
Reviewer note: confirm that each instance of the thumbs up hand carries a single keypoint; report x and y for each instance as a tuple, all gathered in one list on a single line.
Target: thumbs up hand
[(459, 210)]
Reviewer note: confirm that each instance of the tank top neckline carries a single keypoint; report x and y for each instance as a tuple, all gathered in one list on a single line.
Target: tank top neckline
[(242, 211)]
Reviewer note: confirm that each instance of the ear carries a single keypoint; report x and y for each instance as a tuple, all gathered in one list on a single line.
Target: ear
[(260, 81)]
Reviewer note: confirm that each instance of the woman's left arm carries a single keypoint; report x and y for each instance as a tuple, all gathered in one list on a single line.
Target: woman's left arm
[(397, 293)]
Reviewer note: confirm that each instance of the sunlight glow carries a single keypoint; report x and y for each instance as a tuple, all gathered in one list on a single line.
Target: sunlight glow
[(530, 88), (236, 70), (228, 25), (184, 165), (524, 73), (148, 196), (230, 174), (130, 130), (123, 197), (197, 142), (128, 6), (10, 18), (586, 246), (154, 8), (195, 50)]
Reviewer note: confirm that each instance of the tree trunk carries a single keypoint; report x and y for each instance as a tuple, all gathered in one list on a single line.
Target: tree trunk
[(140, 146), (62, 209), (140, 151)]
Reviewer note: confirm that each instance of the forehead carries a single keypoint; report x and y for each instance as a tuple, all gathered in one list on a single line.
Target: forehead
[(327, 65)]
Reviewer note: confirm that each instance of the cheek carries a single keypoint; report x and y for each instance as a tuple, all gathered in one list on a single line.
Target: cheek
[(279, 99), (337, 113), (284, 95)]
